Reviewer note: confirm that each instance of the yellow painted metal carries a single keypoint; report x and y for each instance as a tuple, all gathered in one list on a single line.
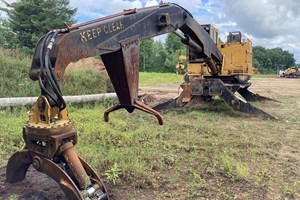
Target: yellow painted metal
[(43, 116), (237, 58), (197, 69)]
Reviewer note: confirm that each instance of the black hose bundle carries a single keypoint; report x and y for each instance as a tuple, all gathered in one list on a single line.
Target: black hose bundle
[(48, 83)]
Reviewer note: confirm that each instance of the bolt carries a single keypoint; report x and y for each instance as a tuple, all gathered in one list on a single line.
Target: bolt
[(37, 163)]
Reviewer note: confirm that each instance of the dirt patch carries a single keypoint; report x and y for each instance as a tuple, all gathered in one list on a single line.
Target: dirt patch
[(86, 63), (36, 185), (287, 87), (157, 95)]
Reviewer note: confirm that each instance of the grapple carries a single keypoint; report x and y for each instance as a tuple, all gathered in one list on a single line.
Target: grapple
[(49, 138)]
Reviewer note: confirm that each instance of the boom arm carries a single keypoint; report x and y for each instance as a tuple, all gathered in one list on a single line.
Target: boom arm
[(116, 38)]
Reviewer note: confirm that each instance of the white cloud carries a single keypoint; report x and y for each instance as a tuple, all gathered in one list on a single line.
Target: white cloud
[(151, 3), (268, 23), (93, 8), (191, 5), (264, 19)]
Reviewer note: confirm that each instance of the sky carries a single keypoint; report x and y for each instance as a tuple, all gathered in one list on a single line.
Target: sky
[(268, 23)]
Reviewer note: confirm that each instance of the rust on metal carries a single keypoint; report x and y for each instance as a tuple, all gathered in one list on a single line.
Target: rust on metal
[(49, 146), (75, 165), (18, 165), (208, 87), (186, 93), (123, 67)]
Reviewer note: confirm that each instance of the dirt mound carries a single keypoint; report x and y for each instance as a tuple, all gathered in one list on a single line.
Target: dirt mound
[(198, 102), (86, 63), (147, 99), (36, 185)]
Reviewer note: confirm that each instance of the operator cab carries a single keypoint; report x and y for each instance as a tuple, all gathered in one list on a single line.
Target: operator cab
[(234, 37)]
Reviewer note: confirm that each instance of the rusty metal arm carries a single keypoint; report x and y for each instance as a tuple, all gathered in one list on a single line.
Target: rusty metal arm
[(116, 38), (103, 36)]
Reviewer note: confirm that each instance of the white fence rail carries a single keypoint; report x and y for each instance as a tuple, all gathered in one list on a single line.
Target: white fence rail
[(19, 101)]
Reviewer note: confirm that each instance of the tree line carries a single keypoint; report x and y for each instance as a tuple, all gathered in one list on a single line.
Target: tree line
[(272, 60), (28, 20)]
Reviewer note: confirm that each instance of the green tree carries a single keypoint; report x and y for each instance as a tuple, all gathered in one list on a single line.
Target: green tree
[(152, 56), (159, 56), (2, 32), (172, 60), (289, 59), (173, 43), (8, 39), (269, 60), (145, 54), (30, 19), (281, 57), (175, 48), (256, 64), (261, 55)]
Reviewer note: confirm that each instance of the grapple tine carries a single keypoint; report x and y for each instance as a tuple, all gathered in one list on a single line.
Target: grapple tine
[(243, 106), (251, 96), (143, 107), (136, 105), (17, 166), (166, 105)]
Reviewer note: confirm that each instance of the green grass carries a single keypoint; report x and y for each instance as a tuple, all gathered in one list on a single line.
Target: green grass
[(197, 154), (155, 79), (264, 76), (159, 79), (14, 77), (15, 81), (215, 153)]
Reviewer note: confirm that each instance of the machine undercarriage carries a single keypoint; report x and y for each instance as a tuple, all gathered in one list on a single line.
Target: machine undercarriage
[(200, 92)]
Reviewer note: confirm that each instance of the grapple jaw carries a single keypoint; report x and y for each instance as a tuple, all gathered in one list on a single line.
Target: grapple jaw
[(49, 138), (123, 69)]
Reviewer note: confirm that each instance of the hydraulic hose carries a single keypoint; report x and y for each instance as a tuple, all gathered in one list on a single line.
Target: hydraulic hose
[(48, 83)]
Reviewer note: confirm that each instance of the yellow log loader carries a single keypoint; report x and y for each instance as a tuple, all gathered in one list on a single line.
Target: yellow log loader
[(291, 72), (206, 78)]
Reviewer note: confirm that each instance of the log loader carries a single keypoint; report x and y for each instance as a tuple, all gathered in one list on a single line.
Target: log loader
[(49, 133), (291, 72), (206, 79)]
